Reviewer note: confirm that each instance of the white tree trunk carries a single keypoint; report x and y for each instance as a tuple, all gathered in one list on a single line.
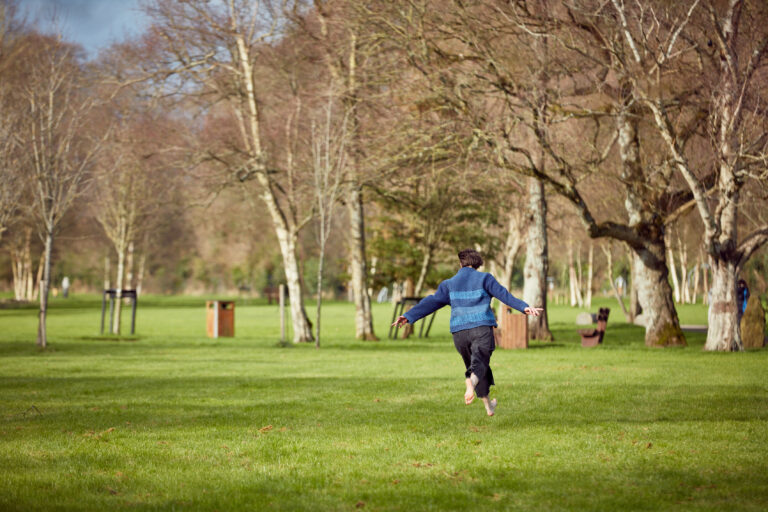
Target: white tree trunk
[(673, 271), (140, 272), (684, 284), (119, 278), (696, 272), (358, 265), (320, 263), (723, 331), (302, 329), (107, 272), (511, 249), (579, 280), (35, 290), (537, 261), (425, 262), (129, 267), (45, 284), (21, 264)]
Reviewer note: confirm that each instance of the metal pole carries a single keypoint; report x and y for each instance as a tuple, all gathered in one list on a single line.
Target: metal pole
[(394, 316), (111, 311), (282, 313), (431, 319), (133, 315)]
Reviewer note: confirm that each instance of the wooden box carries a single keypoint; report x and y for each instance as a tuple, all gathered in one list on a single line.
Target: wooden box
[(221, 318), (513, 327)]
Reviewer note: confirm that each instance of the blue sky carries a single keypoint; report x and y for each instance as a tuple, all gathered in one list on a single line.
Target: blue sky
[(94, 24)]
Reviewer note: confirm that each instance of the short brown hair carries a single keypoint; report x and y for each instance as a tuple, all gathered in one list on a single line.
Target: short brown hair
[(470, 258)]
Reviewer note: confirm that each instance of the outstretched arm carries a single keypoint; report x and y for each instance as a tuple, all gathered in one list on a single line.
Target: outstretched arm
[(493, 287), (426, 306)]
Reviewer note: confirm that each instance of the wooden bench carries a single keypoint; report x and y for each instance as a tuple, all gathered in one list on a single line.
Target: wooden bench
[(594, 337)]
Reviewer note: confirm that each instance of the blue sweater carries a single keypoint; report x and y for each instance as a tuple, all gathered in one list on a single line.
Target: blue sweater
[(469, 293)]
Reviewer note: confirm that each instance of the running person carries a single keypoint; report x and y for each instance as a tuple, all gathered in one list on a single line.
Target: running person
[(469, 294)]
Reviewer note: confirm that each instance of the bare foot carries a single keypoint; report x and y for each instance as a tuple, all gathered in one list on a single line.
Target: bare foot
[(490, 407), (469, 395)]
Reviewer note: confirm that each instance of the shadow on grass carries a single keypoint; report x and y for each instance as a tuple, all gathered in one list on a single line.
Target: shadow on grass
[(114, 337), (379, 402)]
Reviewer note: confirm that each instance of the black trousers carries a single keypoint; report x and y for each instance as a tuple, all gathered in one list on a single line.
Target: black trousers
[(475, 347)]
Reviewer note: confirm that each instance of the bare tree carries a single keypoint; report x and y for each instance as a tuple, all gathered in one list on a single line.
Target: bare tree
[(217, 49), (537, 260), (551, 113), (55, 136), (513, 243), (328, 154), (11, 46), (10, 166), (131, 183), (349, 50), (723, 48)]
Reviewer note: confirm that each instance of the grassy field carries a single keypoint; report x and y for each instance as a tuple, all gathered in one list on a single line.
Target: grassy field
[(172, 420)]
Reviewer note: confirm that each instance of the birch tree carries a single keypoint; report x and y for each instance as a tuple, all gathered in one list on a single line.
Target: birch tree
[(723, 48), (349, 51), (131, 183), (328, 153), (217, 49), (12, 44), (10, 164), (55, 136), (561, 127)]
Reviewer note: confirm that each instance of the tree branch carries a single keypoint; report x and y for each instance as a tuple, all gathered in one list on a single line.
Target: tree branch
[(751, 244)]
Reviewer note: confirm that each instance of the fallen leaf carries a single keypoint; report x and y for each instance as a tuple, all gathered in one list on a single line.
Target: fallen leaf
[(266, 429), (649, 445), (111, 491), (359, 504), (395, 482)]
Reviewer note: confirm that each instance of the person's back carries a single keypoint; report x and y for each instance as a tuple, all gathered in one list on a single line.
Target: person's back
[(469, 294)]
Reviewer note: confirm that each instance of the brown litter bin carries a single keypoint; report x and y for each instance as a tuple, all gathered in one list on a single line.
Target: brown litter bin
[(221, 318), (514, 329)]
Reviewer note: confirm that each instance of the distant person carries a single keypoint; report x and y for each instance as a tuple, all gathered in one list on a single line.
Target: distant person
[(383, 295), (469, 294), (65, 287), (742, 296)]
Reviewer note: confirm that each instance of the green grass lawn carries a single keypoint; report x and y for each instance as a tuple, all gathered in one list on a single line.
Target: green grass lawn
[(176, 421)]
